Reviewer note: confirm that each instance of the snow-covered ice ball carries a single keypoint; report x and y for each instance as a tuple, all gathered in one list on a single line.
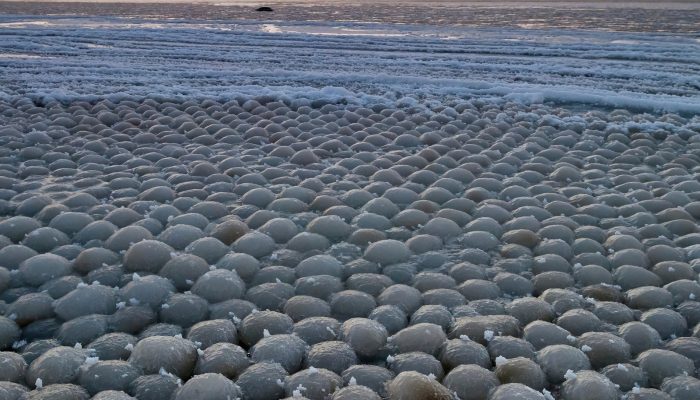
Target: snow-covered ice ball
[(416, 361), (154, 386), (64, 391), (627, 376), (510, 347), (521, 370), (387, 252), (317, 329), (515, 391), (335, 356), (365, 336), (14, 367), (411, 385), (209, 385), (351, 304), (371, 376), (460, 351), (425, 337), (556, 360), (219, 285), (286, 350), (227, 359), (107, 375), (355, 392), (639, 336), (660, 364), (604, 349), (92, 299), (589, 384), (57, 365), (184, 310), (253, 327), (470, 382), (42, 268), (177, 355), (112, 395), (83, 329), (210, 332)]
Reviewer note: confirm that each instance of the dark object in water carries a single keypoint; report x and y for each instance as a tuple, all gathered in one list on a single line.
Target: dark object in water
[(264, 8)]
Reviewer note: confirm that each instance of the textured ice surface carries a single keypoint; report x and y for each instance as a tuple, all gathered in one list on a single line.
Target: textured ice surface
[(408, 210), (194, 59)]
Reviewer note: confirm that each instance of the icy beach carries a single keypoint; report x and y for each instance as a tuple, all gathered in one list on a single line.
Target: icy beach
[(320, 206)]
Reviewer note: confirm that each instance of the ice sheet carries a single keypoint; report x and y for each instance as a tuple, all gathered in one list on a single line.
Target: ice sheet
[(66, 58)]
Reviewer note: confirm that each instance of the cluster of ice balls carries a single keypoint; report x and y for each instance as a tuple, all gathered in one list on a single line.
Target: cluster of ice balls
[(267, 248)]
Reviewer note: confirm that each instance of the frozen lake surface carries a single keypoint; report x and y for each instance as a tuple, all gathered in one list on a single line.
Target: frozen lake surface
[(67, 57)]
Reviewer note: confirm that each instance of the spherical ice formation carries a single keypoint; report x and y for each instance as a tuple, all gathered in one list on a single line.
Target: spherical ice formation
[(660, 364), (365, 336), (386, 252), (209, 386), (107, 375), (520, 370), (411, 385), (515, 391), (557, 359), (173, 355), (285, 350), (312, 383), (57, 365), (335, 356), (588, 384), (470, 382), (224, 358), (321, 249)]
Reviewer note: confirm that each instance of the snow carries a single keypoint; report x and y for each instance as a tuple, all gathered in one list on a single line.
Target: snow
[(39, 383), (91, 360), (488, 335), (298, 390), (500, 360), (63, 58), (547, 394), (19, 344), (569, 375), (586, 348)]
